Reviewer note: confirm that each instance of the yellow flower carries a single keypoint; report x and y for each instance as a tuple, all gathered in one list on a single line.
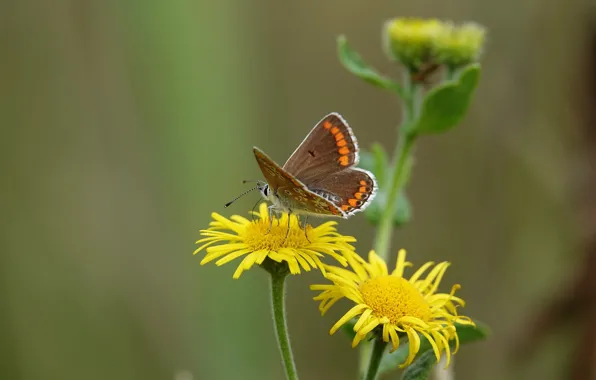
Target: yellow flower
[(410, 40), (394, 305), (259, 239), (459, 45)]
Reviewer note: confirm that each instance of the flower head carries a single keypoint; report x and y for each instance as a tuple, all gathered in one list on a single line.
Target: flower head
[(410, 40), (279, 239), (459, 45), (393, 305)]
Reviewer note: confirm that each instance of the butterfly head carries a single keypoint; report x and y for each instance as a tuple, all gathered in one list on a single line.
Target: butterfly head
[(265, 190)]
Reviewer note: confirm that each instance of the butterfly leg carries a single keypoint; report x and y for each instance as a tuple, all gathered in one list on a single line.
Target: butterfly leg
[(270, 210), (253, 210), (289, 220), (304, 226)]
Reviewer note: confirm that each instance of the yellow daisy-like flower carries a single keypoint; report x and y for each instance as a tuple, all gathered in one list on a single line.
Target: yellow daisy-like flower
[(410, 40), (394, 305), (260, 239)]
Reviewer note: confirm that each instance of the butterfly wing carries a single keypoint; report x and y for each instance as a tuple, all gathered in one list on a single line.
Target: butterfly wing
[(330, 147), (351, 190), (292, 191)]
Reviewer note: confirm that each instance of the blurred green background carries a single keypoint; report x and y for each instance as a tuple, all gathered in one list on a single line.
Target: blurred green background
[(125, 124)]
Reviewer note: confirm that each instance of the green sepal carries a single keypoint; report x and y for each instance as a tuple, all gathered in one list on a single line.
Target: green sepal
[(466, 334), (352, 61), (446, 105), (376, 162)]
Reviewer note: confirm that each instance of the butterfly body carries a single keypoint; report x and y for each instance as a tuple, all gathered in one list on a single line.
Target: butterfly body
[(320, 177)]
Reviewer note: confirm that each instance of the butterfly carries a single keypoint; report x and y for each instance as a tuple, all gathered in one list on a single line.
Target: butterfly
[(320, 178)]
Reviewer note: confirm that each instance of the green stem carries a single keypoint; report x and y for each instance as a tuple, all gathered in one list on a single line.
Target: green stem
[(401, 159), (364, 358), (375, 359), (281, 328)]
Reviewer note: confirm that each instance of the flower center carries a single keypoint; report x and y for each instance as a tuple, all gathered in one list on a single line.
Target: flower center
[(259, 235), (394, 297)]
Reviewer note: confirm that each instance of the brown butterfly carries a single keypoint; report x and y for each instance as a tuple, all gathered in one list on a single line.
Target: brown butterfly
[(320, 177)]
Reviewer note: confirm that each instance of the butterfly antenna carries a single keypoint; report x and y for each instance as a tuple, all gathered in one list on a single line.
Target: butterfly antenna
[(240, 196)]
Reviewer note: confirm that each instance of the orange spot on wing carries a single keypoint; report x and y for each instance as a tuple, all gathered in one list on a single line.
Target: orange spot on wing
[(344, 160), (354, 202), (363, 189), (358, 195), (334, 130), (345, 207), (341, 143), (344, 150), (338, 136), (327, 124), (363, 183)]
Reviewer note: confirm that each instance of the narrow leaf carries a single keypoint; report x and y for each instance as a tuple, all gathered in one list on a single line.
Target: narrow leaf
[(352, 61), (421, 368)]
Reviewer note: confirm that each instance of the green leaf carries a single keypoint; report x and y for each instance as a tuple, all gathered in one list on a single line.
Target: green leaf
[(380, 164), (446, 105), (352, 61), (377, 162), (421, 368), (403, 211), (466, 334), (367, 161)]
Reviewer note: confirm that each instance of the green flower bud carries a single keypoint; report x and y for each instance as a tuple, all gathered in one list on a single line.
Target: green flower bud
[(411, 40), (458, 46)]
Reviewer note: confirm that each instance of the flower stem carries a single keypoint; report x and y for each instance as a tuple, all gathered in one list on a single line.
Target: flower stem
[(400, 170), (281, 328), (364, 358), (375, 359), (385, 229)]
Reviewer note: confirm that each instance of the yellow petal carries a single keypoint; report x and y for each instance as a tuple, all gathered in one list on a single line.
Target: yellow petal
[(414, 346), (420, 271), (394, 339), (231, 256), (363, 319), (369, 327), (433, 344), (437, 281), (354, 311), (400, 264)]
